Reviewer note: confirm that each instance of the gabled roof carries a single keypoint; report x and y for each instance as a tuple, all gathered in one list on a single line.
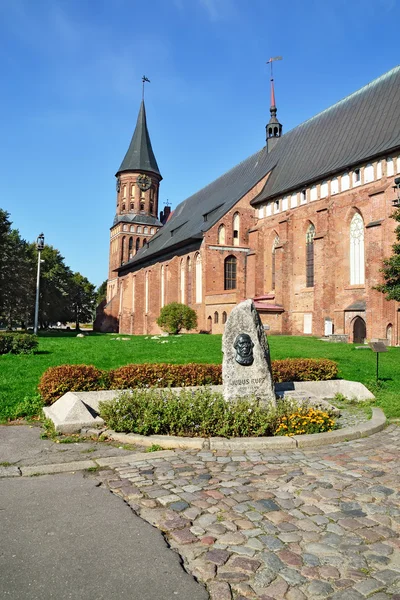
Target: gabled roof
[(363, 125), (140, 155), (357, 128)]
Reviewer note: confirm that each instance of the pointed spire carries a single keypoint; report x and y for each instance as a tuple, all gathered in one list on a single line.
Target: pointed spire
[(273, 128), (272, 94), (140, 155)]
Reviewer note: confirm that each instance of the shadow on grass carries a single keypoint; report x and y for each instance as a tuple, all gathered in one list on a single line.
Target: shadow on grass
[(43, 352)]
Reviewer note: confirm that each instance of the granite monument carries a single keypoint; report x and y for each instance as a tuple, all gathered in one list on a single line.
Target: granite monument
[(246, 366)]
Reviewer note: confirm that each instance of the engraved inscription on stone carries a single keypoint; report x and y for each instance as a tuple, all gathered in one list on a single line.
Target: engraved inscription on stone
[(244, 349)]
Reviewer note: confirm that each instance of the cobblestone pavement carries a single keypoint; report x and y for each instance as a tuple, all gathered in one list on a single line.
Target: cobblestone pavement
[(292, 525)]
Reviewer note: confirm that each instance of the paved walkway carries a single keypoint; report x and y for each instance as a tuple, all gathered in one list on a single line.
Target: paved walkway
[(268, 525)]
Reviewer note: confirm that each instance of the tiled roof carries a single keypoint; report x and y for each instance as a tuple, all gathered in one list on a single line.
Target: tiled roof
[(361, 126), (138, 219)]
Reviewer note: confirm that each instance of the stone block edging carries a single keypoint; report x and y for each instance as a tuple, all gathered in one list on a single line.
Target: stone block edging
[(375, 424)]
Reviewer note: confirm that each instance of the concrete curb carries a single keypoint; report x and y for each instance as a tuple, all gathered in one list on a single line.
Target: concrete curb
[(374, 425), (83, 465)]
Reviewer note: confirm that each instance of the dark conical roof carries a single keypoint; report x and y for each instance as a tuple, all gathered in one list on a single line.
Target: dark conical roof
[(140, 155)]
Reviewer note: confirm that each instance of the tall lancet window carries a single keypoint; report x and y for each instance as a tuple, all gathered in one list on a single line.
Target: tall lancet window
[(146, 293), (189, 280), (310, 255), (357, 257), (273, 262), (236, 229), (182, 281), (123, 250), (162, 286), (221, 235), (199, 280)]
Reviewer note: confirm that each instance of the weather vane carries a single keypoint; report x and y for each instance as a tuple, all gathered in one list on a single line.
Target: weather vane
[(270, 61), (167, 203), (144, 80)]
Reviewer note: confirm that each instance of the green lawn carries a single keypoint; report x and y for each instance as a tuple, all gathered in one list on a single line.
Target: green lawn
[(19, 375)]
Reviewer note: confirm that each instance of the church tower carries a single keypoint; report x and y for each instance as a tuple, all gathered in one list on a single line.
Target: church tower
[(136, 218)]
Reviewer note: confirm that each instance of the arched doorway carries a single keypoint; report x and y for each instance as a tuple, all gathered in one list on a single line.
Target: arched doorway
[(209, 324), (359, 330), (389, 331)]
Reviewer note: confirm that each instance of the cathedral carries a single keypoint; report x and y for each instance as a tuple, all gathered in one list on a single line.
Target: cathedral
[(301, 227)]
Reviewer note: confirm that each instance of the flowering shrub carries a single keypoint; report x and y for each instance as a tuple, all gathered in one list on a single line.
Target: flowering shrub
[(57, 381), (304, 369), (304, 420), (164, 375), (185, 413), (17, 343), (205, 413)]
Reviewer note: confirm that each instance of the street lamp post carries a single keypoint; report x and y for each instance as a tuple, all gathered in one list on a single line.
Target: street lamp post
[(39, 246)]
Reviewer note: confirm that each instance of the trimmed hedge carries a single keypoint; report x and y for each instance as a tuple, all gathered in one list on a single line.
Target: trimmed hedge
[(56, 381), (304, 369), (164, 375), (17, 343)]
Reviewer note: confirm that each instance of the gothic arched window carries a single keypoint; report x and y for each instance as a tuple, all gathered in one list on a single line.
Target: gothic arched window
[(310, 255), (130, 247), (182, 281), (162, 286), (216, 317), (273, 263), (224, 317), (199, 283), (189, 280), (230, 269), (137, 244), (146, 304), (221, 234), (357, 259), (236, 229), (123, 250)]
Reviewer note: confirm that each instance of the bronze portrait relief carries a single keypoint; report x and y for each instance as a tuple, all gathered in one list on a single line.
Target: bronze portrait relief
[(244, 349)]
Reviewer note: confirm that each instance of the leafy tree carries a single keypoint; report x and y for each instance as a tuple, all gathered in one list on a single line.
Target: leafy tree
[(82, 298), (55, 281), (101, 292), (16, 275), (175, 316), (391, 268)]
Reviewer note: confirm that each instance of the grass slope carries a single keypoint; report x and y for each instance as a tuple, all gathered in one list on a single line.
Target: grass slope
[(19, 375)]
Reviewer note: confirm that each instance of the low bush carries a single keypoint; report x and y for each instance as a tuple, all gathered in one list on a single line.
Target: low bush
[(202, 413), (164, 375), (57, 381), (175, 316), (17, 343), (304, 420), (186, 413), (304, 369)]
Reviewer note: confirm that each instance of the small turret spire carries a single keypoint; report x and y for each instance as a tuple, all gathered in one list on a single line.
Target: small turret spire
[(273, 128)]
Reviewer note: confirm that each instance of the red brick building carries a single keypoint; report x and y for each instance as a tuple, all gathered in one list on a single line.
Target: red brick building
[(301, 226)]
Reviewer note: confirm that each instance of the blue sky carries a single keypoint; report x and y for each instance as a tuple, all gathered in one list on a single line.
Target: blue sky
[(71, 89)]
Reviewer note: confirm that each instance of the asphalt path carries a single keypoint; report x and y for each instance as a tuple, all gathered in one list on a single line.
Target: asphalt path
[(63, 537)]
